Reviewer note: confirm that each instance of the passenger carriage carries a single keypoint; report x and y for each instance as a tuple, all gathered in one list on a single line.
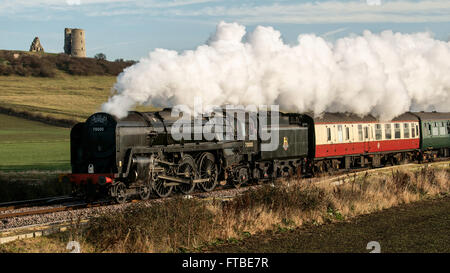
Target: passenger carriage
[(342, 140), (435, 128)]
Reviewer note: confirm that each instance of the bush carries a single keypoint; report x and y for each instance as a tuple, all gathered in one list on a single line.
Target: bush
[(100, 56), (47, 65)]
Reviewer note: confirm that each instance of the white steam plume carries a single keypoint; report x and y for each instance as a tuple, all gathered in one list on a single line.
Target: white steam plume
[(382, 74)]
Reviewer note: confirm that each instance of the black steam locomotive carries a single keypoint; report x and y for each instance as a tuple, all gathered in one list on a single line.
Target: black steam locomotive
[(138, 155)]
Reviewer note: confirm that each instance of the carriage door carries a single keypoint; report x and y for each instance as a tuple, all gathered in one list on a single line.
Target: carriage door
[(366, 138)]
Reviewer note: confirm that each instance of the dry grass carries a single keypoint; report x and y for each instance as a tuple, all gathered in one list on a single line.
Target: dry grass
[(180, 225), (188, 225), (66, 97), (62, 97)]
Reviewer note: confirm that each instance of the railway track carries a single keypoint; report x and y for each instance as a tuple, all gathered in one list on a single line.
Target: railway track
[(34, 202), (50, 210), (336, 178)]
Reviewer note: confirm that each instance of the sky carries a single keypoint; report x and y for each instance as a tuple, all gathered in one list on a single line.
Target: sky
[(130, 29)]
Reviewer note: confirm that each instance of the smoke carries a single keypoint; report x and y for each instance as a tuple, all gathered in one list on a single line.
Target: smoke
[(382, 74)]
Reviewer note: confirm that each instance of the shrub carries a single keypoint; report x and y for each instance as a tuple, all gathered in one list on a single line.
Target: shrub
[(46, 65)]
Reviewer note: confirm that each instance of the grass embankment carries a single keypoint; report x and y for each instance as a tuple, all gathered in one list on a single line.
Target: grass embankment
[(192, 225), (30, 145)]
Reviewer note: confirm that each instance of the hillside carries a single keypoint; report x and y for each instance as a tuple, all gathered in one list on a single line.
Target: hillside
[(23, 63), (62, 97)]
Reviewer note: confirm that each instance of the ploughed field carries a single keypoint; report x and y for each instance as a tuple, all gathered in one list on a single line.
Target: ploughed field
[(416, 227)]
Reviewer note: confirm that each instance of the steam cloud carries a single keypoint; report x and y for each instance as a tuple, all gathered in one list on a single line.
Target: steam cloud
[(382, 74)]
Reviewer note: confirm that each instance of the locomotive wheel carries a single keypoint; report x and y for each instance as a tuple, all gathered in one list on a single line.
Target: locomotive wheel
[(186, 170), (121, 193), (144, 191), (242, 178), (286, 172), (160, 189), (208, 169)]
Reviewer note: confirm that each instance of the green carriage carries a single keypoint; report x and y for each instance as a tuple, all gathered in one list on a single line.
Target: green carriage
[(435, 133)]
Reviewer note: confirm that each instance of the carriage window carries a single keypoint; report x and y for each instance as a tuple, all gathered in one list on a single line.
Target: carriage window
[(428, 129), (328, 134), (378, 135), (366, 132), (448, 128), (435, 129), (406, 130), (442, 129), (387, 131), (360, 132), (413, 131), (397, 130), (340, 133), (347, 133)]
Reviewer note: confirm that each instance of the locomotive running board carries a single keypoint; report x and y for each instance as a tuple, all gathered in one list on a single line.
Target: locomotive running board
[(181, 180)]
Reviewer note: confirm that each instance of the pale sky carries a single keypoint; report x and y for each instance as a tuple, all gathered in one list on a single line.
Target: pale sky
[(130, 29)]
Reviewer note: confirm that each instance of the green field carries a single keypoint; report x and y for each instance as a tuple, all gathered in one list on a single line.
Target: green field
[(29, 145)]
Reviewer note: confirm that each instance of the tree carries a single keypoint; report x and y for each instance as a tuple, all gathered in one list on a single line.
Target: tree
[(100, 56)]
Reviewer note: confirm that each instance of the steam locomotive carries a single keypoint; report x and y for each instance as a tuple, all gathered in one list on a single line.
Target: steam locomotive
[(139, 155)]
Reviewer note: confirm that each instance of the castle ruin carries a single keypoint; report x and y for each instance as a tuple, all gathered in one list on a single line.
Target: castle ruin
[(36, 46), (74, 42)]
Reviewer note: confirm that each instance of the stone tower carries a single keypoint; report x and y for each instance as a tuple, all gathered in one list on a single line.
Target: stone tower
[(74, 42), (36, 46)]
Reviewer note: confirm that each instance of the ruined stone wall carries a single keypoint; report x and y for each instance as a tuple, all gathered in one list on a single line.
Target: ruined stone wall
[(67, 40), (74, 42), (36, 46)]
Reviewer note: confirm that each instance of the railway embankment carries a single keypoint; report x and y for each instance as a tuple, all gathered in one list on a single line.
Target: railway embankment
[(193, 225)]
